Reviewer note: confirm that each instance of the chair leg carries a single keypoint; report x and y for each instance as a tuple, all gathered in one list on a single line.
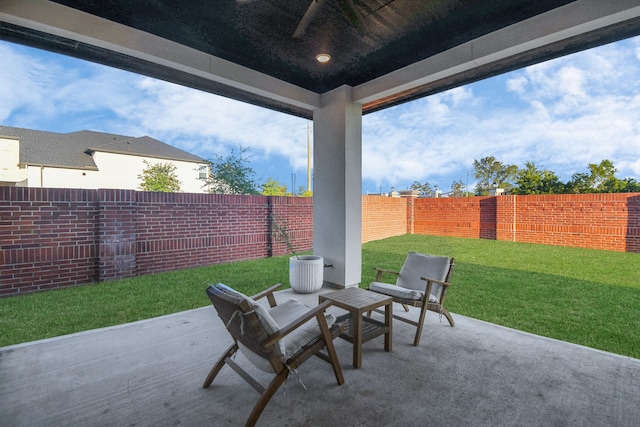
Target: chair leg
[(266, 397), (446, 314), (331, 350), (423, 312), (335, 364), (219, 364)]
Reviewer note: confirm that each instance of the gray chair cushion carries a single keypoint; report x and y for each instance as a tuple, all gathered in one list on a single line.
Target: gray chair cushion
[(266, 321), (419, 265), (409, 285), (399, 292), (287, 312), (396, 291), (272, 319)]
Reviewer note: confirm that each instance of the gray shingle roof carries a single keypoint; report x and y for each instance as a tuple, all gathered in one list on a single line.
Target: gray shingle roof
[(73, 150)]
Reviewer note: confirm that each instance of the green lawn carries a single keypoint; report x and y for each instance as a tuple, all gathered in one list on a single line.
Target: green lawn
[(583, 296)]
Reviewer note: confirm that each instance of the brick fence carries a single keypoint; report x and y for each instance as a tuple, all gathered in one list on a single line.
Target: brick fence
[(52, 238), (598, 221), (384, 217)]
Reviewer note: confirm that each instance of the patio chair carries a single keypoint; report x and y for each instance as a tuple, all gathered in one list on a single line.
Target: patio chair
[(276, 340), (422, 282)]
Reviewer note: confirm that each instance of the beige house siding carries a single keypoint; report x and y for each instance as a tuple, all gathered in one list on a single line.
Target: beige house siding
[(114, 171), (10, 173), (105, 169)]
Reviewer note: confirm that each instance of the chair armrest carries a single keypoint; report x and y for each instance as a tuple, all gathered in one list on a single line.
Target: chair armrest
[(286, 330), (439, 282), (269, 294), (430, 282), (384, 270)]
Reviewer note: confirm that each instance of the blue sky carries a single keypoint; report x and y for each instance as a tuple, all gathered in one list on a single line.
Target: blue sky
[(561, 115)]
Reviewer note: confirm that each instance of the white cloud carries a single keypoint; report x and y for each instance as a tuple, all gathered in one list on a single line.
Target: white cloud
[(51, 92), (518, 84), (562, 115), (214, 125), (565, 114), (45, 90), (18, 83)]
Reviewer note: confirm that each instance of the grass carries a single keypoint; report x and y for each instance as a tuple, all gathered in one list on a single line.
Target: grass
[(583, 296), (64, 311)]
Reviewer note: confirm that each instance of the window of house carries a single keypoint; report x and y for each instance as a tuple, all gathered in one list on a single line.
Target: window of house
[(203, 171)]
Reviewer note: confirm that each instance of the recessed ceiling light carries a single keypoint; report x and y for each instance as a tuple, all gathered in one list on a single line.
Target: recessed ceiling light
[(323, 57)]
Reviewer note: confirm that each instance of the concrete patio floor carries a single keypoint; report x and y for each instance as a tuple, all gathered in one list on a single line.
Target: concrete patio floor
[(476, 374)]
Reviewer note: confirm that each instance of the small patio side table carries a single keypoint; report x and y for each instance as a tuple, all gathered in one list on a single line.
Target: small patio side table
[(359, 328)]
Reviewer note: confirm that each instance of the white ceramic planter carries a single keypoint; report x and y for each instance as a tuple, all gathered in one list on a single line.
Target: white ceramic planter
[(306, 273)]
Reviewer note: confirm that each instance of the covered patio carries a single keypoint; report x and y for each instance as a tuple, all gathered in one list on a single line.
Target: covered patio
[(151, 372), (383, 53), (327, 60)]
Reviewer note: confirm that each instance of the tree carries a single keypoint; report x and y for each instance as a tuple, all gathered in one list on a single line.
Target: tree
[(231, 174), (531, 180), (273, 188), (489, 171), (603, 175), (603, 179), (304, 192), (424, 189), (458, 189), (629, 185), (159, 177), (600, 179), (580, 183)]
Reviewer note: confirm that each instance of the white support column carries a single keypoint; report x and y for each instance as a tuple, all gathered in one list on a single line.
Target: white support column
[(337, 187)]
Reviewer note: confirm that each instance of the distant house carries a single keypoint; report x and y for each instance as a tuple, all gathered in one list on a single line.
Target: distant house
[(87, 159)]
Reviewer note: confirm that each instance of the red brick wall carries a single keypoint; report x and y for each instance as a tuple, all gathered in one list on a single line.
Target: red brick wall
[(297, 214), (459, 217), (633, 224), (55, 238), (176, 231), (116, 234), (598, 221), (383, 217), (48, 238)]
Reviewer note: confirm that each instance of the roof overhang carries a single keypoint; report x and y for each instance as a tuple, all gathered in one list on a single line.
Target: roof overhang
[(53, 166), (560, 30)]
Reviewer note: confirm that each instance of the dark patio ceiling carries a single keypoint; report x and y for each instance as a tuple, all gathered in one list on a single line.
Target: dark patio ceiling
[(258, 34), (366, 39)]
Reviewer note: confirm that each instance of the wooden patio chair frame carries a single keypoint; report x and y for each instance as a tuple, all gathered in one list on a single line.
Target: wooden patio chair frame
[(250, 333), (424, 304)]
